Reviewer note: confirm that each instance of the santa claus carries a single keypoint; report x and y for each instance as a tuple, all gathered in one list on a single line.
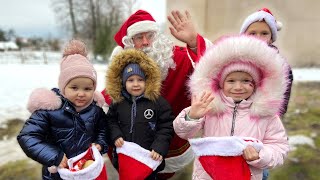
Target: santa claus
[(141, 31)]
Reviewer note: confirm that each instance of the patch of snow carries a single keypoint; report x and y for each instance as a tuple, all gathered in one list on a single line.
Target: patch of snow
[(296, 140)]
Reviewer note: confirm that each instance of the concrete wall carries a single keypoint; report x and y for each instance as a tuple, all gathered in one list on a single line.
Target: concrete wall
[(298, 40)]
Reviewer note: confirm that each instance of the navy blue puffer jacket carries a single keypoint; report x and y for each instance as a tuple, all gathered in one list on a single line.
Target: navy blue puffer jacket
[(49, 134)]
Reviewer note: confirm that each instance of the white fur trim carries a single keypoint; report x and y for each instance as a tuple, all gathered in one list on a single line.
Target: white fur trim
[(91, 172), (259, 16), (115, 51), (176, 163), (222, 146), (142, 26), (268, 96), (208, 43), (138, 153), (105, 108)]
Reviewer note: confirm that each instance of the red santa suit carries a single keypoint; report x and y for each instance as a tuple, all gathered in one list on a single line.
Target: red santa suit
[(174, 87)]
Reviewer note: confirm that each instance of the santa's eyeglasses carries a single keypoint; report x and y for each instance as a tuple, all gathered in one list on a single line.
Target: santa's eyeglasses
[(138, 38)]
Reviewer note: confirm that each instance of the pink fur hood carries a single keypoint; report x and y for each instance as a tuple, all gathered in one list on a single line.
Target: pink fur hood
[(269, 93), (42, 98)]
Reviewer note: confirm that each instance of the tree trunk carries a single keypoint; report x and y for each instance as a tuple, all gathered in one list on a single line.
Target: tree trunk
[(94, 23), (73, 20)]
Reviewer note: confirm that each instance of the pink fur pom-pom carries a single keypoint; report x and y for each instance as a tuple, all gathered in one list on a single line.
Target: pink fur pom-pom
[(99, 99), (75, 47), (43, 99)]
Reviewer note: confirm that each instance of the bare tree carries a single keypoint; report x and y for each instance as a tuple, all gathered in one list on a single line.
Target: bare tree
[(95, 21)]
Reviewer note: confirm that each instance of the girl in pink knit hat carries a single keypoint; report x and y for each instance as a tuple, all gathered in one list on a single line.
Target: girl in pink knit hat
[(236, 94), (65, 122)]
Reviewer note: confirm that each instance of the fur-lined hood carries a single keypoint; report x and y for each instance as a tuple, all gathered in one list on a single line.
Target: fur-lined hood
[(114, 74), (269, 92), (46, 99)]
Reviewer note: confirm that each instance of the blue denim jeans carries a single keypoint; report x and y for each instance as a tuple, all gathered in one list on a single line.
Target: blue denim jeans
[(265, 174)]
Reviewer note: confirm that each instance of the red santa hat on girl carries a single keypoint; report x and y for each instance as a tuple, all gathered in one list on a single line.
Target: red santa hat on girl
[(140, 21), (135, 162), (263, 14), (221, 157)]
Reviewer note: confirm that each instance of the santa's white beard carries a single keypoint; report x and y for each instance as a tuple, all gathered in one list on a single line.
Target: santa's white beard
[(164, 63), (161, 51)]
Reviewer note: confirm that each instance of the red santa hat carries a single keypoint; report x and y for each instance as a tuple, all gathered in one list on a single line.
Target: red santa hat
[(221, 157), (140, 21), (135, 162), (263, 14)]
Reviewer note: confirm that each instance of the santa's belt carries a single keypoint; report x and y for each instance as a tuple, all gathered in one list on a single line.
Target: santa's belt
[(177, 152)]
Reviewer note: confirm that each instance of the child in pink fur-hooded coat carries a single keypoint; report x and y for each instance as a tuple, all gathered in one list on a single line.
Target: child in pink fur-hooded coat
[(65, 122), (236, 91)]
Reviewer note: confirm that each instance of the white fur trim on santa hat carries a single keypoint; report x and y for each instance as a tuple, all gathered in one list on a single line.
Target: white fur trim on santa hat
[(223, 146), (90, 172), (142, 26), (138, 153), (260, 16)]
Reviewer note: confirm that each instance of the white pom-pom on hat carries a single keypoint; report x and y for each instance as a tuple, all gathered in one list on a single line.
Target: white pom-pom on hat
[(279, 25)]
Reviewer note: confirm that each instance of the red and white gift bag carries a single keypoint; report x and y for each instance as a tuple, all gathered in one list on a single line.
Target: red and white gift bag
[(221, 157), (95, 171), (135, 162)]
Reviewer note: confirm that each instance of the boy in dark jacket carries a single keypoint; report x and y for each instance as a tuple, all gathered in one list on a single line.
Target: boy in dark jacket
[(138, 113), (65, 122)]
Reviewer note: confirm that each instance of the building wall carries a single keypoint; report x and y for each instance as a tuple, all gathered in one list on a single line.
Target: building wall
[(298, 40)]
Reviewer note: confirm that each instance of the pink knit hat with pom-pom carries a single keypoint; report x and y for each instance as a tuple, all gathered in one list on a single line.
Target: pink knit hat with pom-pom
[(75, 64)]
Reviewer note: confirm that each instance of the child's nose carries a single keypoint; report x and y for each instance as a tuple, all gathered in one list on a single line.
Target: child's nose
[(80, 93), (238, 85)]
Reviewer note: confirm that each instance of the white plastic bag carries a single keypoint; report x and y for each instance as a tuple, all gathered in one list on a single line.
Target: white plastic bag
[(93, 171)]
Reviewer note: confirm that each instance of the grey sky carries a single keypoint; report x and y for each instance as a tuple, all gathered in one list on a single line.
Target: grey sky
[(36, 17)]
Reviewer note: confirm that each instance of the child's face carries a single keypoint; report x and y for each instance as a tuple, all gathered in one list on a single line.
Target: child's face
[(79, 91), (238, 86), (135, 85), (261, 30)]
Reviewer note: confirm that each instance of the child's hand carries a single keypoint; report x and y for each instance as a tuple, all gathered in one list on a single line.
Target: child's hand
[(64, 162), (155, 156), (119, 142), (97, 146), (200, 105), (250, 153)]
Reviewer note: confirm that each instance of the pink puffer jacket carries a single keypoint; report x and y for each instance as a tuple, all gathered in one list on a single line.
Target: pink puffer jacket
[(269, 131)]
